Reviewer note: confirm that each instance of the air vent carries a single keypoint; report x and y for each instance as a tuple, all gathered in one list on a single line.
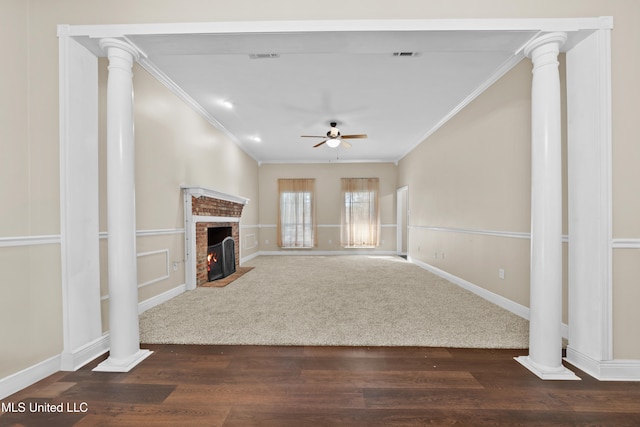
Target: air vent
[(405, 53), (264, 55)]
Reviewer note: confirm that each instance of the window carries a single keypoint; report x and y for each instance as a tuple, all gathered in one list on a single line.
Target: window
[(296, 213), (360, 226)]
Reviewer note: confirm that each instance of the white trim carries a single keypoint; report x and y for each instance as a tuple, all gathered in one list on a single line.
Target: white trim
[(402, 219), (12, 242), (559, 373), (123, 365), (204, 218), (189, 243), (157, 279), (158, 232), (326, 225), (493, 233), (499, 300), (252, 239), (250, 257), (198, 192), (28, 376), (160, 298), (85, 354), (605, 370), (590, 222), (312, 252), (149, 233), (625, 243), (79, 210), (542, 24)]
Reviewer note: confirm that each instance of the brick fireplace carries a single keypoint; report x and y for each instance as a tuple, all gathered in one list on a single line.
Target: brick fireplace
[(205, 209)]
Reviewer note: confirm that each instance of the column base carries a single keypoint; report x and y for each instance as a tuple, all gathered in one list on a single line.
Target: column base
[(122, 365), (545, 372)]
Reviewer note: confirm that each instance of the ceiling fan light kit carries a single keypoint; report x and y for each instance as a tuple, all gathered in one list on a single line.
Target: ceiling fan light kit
[(334, 138), (333, 142)]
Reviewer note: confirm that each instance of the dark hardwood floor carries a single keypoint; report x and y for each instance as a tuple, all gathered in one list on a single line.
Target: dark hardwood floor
[(322, 386)]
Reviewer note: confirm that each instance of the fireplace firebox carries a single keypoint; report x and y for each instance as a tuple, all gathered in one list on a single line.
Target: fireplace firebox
[(220, 253)]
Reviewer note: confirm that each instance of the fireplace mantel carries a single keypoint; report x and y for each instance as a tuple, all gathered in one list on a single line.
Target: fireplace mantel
[(198, 192), (203, 208)]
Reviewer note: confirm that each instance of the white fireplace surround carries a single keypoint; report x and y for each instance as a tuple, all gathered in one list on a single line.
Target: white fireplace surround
[(190, 221)]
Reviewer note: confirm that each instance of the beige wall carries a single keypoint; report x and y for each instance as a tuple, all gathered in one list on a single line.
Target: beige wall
[(14, 143), (29, 177), (474, 174), (174, 146), (30, 282), (327, 178)]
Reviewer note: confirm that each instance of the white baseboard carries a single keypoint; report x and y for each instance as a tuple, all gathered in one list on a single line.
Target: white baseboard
[(160, 298), (85, 354), (249, 257), (31, 375), (499, 300), (605, 370), (312, 252)]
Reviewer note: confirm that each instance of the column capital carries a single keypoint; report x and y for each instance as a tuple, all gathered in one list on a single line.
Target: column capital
[(546, 39), (107, 43)]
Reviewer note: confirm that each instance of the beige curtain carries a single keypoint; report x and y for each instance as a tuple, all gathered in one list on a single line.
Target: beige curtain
[(296, 213), (360, 225)]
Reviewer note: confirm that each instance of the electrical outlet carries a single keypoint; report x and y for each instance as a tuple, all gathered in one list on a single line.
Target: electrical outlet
[(501, 273), (175, 266)]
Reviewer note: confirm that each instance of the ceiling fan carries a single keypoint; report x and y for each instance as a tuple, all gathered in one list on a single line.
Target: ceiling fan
[(334, 138)]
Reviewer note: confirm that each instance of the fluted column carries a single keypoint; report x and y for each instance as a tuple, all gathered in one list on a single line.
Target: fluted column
[(545, 327), (124, 331)]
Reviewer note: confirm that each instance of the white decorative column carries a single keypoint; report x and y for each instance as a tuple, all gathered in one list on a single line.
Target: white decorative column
[(125, 352), (545, 333)]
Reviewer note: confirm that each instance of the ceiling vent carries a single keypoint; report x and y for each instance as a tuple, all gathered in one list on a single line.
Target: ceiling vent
[(405, 53), (264, 55)]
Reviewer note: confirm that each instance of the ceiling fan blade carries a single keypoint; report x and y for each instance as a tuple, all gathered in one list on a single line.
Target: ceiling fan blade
[(319, 144), (354, 136), (313, 136), (345, 144)]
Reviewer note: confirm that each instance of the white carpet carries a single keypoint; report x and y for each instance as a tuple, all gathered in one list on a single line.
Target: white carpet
[(340, 300)]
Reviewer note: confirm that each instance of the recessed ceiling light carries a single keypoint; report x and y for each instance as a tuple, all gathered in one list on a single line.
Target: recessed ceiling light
[(226, 104), (256, 139)]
